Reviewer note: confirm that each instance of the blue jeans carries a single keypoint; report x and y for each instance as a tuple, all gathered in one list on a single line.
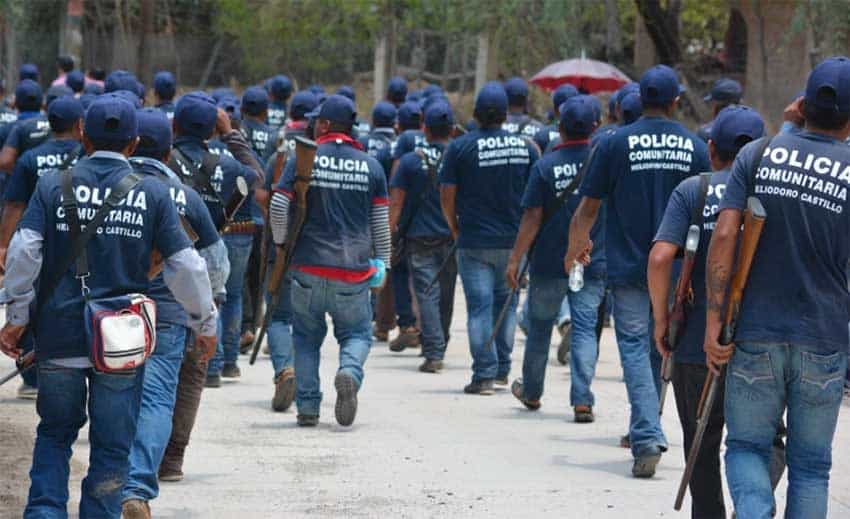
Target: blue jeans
[(280, 329), (436, 305), (400, 279), (349, 308), (159, 391), (545, 297), (230, 313), (764, 380), (483, 274), (563, 313), (113, 407), (631, 324)]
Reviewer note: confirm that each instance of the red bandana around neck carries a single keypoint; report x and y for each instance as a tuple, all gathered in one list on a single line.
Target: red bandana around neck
[(346, 139)]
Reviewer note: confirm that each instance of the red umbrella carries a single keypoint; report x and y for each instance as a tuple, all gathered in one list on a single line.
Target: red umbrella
[(588, 75)]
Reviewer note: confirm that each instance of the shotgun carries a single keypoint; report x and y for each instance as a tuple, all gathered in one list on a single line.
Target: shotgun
[(305, 156), (754, 218)]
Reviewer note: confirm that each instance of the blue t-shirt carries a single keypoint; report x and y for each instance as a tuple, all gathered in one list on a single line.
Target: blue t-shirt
[(276, 115), (28, 133), (167, 108), (522, 124), (636, 169), (414, 178), (119, 257), (797, 287), (261, 137), (190, 206), (490, 169), (292, 130), (346, 184), (7, 116), (549, 177), (545, 135), (223, 180), (47, 156), (674, 229), (408, 141), (379, 144)]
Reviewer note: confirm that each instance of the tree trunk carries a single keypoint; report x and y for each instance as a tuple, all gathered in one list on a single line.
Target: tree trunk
[(663, 27), (481, 60), (613, 38), (644, 53), (380, 78), (144, 54)]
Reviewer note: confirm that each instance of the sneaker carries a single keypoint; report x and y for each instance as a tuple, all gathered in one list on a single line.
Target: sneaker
[(380, 335), (231, 371), (407, 338), (27, 392), (644, 466), (517, 391), (625, 442), (566, 342), (246, 341), (479, 387), (213, 381), (135, 509), (583, 414), (284, 390), (308, 420), (501, 381), (431, 366), (346, 398)]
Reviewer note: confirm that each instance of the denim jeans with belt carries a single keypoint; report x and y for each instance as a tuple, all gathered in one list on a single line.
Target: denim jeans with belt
[(436, 306)]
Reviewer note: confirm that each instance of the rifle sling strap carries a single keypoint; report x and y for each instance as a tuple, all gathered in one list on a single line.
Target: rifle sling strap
[(200, 175)]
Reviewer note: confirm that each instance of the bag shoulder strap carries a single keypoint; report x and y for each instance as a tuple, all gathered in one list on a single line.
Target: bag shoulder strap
[(201, 176), (432, 176)]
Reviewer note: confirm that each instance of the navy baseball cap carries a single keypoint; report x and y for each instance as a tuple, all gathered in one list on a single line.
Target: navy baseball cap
[(338, 109), (232, 106), (384, 114), (56, 92), (28, 71), (410, 115), (562, 93), (280, 87), (439, 114), (303, 102), (220, 93), (436, 98), (111, 119), (255, 100), (517, 90), (155, 135), (28, 96), (64, 112), (86, 100), (628, 88), (75, 80), (131, 97), (120, 80), (415, 96), (93, 89), (577, 116), (828, 86), (347, 91), (431, 90), (195, 115), (725, 90), (735, 126), (165, 85), (492, 96), (632, 107), (316, 89), (659, 86), (397, 90)]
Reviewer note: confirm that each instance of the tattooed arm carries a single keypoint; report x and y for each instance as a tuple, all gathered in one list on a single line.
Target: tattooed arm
[(719, 266)]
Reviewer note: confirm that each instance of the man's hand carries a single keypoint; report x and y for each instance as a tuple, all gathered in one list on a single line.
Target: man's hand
[(793, 113), (206, 346), (579, 250), (10, 336), (716, 354), (222, 123), (512, 273), (660, 333), (3, 260)]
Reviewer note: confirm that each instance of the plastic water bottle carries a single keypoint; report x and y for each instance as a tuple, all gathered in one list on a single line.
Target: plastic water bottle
[(576, 277)]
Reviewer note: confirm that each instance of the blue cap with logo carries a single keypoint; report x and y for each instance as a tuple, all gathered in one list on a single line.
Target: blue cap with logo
[(725, 90), (129, 96), (659, 86), (303, 102), (195, 115), (347, 91), (562, 93), (64, 112), (255, 100), (338, 109), (384, 114), (577, 116), (165, 85), (492, 96), (93, 89), (56, 92), (517, 90), (631, 107), (410, 115), (154, 133), (735, 126), (397, 90), (828, 86), (111, 119), (120, 80), (232, 106), (28, 71), (280, 87), (439, 114), (28, 96), (75, 80)]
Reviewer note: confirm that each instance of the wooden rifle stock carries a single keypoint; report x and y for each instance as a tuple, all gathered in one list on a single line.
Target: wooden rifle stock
[(279, 162), (754, 218), (305, 156)]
